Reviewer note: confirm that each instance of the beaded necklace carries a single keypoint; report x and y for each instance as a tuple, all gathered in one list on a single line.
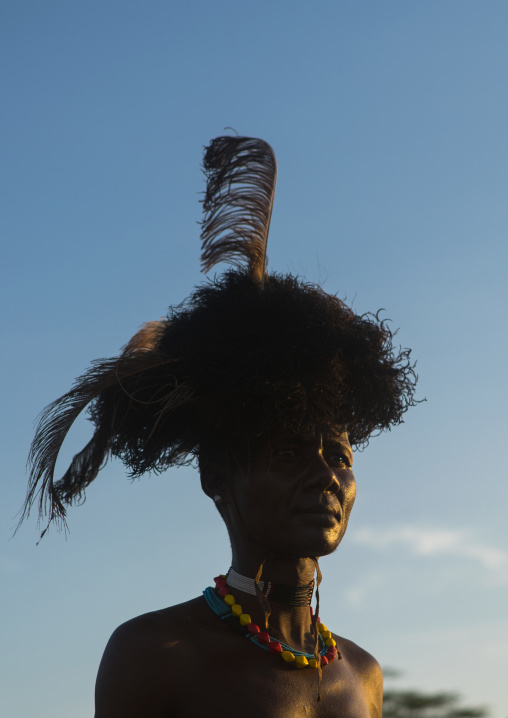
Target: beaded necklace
[(223, 604)]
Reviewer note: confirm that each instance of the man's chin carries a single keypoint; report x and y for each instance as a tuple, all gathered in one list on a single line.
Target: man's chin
[(317, 548)]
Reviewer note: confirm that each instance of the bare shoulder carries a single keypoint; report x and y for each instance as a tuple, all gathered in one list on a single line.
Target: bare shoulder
[(366, 670), (141, 662)]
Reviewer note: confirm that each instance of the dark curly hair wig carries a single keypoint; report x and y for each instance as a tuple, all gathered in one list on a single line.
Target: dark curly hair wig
[(256, 360)]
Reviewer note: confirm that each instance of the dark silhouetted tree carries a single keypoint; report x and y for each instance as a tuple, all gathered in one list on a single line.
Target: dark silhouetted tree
[(414, 704)]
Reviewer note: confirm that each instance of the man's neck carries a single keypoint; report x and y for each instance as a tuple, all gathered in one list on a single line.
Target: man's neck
[(290, 624), (287, 570)]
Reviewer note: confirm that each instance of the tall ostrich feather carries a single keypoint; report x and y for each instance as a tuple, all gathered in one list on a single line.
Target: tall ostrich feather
[(242, 174)]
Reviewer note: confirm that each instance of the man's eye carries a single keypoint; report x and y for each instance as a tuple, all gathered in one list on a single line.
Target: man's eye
[(338, 460), (286, 453)]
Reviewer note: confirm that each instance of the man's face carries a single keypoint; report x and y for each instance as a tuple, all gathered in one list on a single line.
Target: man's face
[(296, 493)]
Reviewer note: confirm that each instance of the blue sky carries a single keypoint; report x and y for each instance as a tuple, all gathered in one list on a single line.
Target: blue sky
[(389, 124)]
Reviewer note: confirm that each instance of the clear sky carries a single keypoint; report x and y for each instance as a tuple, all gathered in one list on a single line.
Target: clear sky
[(389, 121)]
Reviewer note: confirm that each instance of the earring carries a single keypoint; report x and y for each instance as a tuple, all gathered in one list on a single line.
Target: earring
[(217, 499)]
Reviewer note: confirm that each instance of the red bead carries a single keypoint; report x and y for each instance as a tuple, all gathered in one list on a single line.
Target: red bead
[(252, 628), (275, 647), (223, 591), (330, 656), (219, 579), (333, 650), (318, 620), (263, 637), (324, 661)]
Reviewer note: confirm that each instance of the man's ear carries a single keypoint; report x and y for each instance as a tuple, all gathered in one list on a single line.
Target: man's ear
[(210, 479), (214, 481)]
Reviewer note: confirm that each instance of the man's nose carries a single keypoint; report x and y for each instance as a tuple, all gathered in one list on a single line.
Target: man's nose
[(323, 475)]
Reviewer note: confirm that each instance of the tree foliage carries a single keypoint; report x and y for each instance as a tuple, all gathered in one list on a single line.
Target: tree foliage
[(414, 704)]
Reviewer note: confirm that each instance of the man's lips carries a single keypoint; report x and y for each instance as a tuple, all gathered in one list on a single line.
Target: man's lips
[(328, 512)]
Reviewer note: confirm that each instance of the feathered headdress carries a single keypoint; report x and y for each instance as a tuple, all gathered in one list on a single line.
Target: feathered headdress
[(248, 353)]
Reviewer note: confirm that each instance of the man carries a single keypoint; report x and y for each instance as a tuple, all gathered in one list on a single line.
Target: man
[(268, 382), (289, 504)]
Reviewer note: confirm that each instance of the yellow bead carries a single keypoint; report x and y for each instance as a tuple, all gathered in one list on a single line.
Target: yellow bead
[(326, 634), (330, 642), (321, 627), (288, 656), (245, 619), (313, 663), (236, 609), (301, 661), (229, 599)]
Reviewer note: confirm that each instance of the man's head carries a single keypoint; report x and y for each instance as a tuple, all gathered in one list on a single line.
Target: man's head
[(249, 354), (285, 494)]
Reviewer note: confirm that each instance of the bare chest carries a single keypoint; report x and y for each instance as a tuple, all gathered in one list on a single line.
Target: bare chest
[(255, 684)]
